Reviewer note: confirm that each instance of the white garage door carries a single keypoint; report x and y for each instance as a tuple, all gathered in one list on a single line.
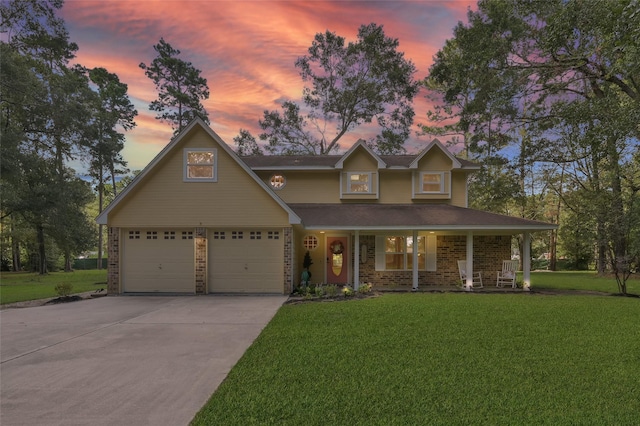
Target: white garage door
[(246, 261), (158, 261)]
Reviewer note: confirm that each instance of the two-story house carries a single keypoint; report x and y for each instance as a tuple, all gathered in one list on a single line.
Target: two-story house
[(200, 219)]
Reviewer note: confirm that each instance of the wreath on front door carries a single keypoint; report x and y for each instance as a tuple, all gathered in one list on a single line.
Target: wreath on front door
[(337, 247)]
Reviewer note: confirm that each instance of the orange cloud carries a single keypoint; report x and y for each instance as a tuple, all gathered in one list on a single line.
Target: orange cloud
[(245, 49)]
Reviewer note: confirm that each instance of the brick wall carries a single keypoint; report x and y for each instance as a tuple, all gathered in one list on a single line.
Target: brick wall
[(201, 260), (489, 252), (288, 261), (113, 261)]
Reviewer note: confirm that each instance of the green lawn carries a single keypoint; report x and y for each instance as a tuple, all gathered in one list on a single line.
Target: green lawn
[(21, 286), (442, 358), (580, 280)]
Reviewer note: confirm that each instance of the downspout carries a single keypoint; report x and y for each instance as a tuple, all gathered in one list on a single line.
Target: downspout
[(469, 283), (526, 262)]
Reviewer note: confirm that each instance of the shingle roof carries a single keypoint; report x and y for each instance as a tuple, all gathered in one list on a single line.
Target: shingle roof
[(325, 161), (409, 216)]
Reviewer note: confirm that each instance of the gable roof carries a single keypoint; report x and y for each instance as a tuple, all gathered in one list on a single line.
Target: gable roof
[(360, 144), (333, 162), (433, 217), (435, 144), (102, 217)]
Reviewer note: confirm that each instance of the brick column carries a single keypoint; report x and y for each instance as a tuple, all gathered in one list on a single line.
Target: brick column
[(288, 261), (201, 260), (113, 261)]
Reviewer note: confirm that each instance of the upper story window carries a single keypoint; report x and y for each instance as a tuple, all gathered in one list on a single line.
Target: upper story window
[(277, 181), (358, 183), (200, 165), (432, 183)]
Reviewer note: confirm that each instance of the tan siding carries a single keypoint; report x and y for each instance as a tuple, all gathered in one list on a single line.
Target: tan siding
[(309, 186), (360, 161), (459, 189), (395, 187), (435, 159), (164, 199)]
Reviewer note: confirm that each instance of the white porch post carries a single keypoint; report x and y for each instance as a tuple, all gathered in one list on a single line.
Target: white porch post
[(356, 260), (526, 261), (415, 261), (469, 283)]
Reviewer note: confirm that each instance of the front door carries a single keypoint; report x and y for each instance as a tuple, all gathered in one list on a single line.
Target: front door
[(337, 260)]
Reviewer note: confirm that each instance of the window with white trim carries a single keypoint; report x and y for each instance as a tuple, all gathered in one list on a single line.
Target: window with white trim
[(310, 242), (200, 165), (432, 183), (359, 183), (395, 253), (277, 181)]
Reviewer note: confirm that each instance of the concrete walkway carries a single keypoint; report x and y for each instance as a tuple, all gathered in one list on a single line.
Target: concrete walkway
[(123, 360)]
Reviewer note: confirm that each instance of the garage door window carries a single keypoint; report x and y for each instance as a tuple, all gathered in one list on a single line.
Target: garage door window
[(236, 235), (273, 235), (152, 235), (218, 235), (169, 235), (255, 235), (200, 165), (187, 235), (134, 235)]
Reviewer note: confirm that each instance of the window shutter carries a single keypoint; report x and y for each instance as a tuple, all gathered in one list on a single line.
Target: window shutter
[(380, 261), (432, 246)]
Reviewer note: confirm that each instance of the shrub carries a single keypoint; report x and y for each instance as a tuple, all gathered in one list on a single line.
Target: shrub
[(63, 289), (365, 288), (347, 291), (331, 290)]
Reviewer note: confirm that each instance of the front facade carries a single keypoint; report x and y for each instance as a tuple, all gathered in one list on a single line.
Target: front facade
[(199, 220)]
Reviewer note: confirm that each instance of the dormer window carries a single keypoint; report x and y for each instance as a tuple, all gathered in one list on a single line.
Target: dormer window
[(359, 183), (200, 165), (432, 183)]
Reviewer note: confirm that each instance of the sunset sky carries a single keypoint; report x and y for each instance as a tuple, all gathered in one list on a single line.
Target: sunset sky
[(245, 49)]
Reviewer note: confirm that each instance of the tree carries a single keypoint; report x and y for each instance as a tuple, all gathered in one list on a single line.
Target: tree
[(114, 110), (46, 120), (349, 85), (180, 88), (544, 67)]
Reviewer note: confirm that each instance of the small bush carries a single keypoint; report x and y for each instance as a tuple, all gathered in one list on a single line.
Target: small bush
[(365, 288), (347, 291), (319, 290), (331, 290), (63, 289)]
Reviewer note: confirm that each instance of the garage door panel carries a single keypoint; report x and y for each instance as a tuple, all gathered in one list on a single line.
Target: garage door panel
[(246, 265), (158, 264)]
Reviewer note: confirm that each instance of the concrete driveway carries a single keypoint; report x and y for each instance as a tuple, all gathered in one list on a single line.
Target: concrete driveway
[(143, 360)]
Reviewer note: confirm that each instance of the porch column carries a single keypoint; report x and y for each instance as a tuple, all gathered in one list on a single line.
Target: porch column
[(356, 260), (526, 261), (469, 283), (415, 261)]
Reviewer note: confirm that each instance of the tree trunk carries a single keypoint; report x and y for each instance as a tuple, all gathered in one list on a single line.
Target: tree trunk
[(67, 262), (42, 255), (100, 208), (16, 264)]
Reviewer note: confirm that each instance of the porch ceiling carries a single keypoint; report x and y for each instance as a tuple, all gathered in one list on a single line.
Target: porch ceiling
[(434, 217)]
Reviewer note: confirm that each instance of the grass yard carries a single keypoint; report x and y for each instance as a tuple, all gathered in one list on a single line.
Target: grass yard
[(580, 280), (441, 358), (22, 286)]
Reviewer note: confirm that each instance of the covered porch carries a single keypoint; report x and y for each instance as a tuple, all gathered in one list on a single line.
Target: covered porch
[(412, 246)]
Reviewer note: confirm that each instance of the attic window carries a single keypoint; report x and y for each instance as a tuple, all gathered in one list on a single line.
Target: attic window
[(200, 165), (432, 183), (359, 183), (277, 181)]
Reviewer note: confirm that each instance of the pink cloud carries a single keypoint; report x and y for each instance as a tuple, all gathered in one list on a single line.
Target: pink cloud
[(245, 49)]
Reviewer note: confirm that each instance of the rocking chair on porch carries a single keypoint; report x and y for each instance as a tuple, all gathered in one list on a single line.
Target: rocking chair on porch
[(477, 276), (508, 273)]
